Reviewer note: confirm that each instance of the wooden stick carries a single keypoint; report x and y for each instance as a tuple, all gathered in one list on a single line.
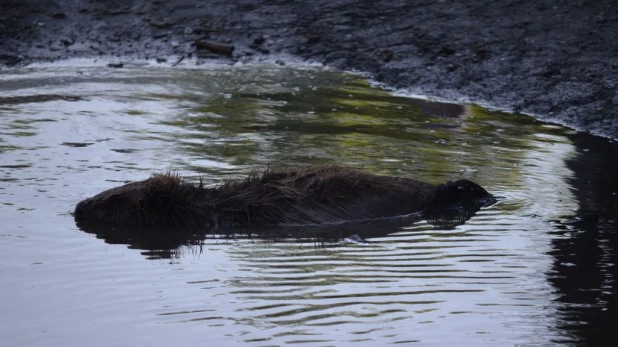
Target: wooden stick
[(218, 48)]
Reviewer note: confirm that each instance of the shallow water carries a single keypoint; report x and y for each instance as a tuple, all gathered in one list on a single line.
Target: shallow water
[(537, 268)]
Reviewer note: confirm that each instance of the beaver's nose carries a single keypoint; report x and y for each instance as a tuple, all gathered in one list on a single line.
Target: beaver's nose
[(81, 210)]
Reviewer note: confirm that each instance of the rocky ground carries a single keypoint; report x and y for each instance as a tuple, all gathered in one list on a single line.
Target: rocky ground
[(557, 59)]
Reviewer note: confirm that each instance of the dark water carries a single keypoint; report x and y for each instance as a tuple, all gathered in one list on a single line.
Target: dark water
[(537, 268)]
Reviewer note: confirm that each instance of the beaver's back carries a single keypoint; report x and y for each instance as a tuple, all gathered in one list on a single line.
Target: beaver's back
[(317, 195)]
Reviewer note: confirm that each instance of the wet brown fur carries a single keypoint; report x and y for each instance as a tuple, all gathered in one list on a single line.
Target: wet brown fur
[(313, 195)]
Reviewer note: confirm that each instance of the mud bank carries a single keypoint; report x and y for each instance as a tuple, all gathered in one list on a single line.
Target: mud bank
[(555, 59)]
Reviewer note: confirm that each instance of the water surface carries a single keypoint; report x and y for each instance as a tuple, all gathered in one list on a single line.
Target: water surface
[(537, 268)]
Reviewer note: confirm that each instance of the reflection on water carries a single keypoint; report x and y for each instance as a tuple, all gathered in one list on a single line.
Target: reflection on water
[(538, 268), (585, 246)]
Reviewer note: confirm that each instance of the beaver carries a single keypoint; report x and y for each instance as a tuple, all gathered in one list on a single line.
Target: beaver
[(316, 195)]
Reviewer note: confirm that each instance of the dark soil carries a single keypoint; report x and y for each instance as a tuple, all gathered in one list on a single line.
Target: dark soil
[(555, 59)]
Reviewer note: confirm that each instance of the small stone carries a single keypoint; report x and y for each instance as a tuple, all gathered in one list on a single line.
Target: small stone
[(59, 15), (385, 54), (67, 41), (259, 40), (160, 23), (161, 35), (312, 39)]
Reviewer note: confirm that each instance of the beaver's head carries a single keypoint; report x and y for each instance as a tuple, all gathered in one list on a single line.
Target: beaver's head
[(157, 201), (454, 203)]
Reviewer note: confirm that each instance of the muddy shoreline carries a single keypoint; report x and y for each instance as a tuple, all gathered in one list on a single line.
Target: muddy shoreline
[(554, 59)]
